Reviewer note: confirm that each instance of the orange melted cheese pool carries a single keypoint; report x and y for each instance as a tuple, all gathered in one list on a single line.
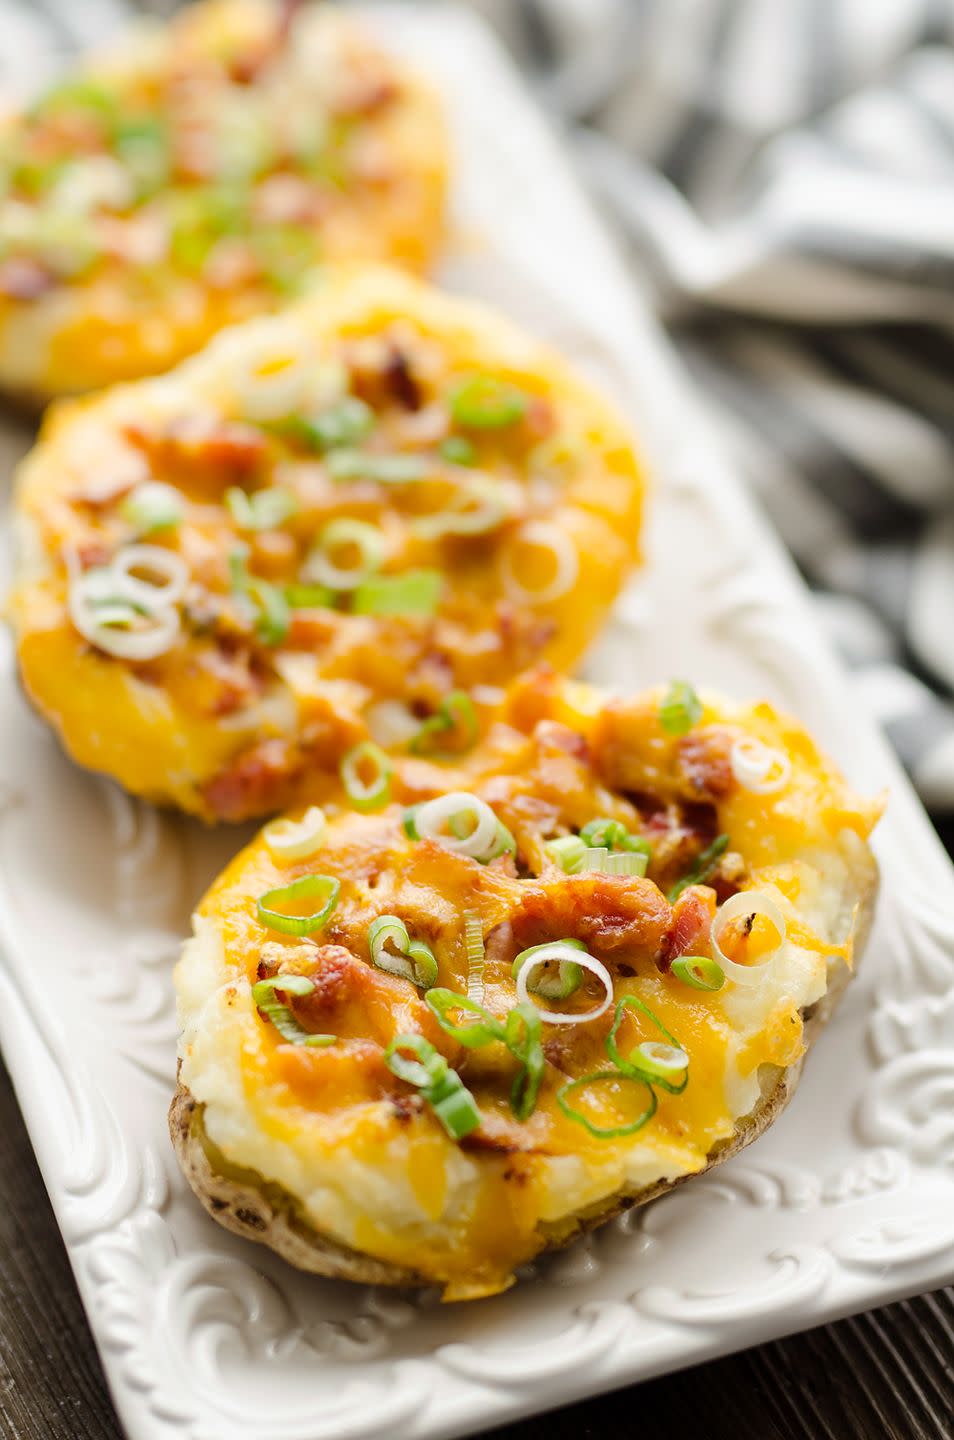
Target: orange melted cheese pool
[(364, 1158), (195, 176), (378, 498)]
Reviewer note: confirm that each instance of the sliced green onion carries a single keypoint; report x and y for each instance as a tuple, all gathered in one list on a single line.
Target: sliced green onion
[(522, 1036), (456, 1108), (262, 510), (273, 618), (657, 1065), (409, 822), (456, 811), (153, 506), (386, 469), (474, 946), (486, 403), (559, 986), (367, 794), (343, 424), (567, 851), (472, 1036), (594, 859), (477, 507), (416, 592), (699, 971), (604, 831), (309, 597), (504, 844), (705, 864), (626, 863), (414, 959), (339, 535), (309, 887), (426, 1066), (456, 714), (296, 839), (458, 450), (264, 998), (571, 952), (443, 1089), (600, 1077), (679, 709)]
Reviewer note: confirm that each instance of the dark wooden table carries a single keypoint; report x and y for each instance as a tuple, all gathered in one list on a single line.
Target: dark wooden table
[(888, 1375)]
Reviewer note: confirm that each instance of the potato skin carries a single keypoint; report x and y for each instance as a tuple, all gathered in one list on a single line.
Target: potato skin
[(244, 1207)]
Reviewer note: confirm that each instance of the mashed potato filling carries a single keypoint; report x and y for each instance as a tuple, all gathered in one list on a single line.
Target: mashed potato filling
[(363, 1160)]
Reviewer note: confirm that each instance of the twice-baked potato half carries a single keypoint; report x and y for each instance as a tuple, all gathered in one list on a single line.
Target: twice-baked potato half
[(424, 1044), (317, 529), (195, 175)]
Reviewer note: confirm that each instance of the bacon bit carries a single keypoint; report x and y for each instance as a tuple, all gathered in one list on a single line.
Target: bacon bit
[(705, 763), (401, 381), (606, 912), (256, 781), (539, 421), (225, 682), (90, 553), (220, 451), (23, 278), (361, 95), (692, 919)]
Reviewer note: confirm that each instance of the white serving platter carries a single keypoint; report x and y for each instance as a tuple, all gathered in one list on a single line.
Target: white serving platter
[(846, 1204)]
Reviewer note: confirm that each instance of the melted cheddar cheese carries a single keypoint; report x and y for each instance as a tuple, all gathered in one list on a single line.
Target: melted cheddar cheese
[(195, 176), (364, 1161), (346, 411)]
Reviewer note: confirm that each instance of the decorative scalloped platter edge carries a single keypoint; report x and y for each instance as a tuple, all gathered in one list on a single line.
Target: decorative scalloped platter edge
[(846, 1204)]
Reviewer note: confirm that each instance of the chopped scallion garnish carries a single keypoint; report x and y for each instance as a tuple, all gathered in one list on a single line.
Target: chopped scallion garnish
[(398, 469), (679, 709), (455, 716), (346, 423), (324, 562), (416, 592), (280, 1015), (699, 971), (706, 863), (410, 959), (603, 1077), (277, 908), (372, 792), (522, 1036), (558, 984), (567, 851), (458, 451), (262, 510), (654, 1063), (473, 1035), (485, 403), (153, 506), (443, 1089)]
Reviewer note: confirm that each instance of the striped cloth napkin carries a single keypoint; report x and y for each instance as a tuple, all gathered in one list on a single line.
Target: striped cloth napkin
[(782, 175)]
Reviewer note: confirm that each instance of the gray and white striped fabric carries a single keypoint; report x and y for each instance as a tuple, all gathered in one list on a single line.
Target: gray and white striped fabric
[(782, 171), (782, 174)]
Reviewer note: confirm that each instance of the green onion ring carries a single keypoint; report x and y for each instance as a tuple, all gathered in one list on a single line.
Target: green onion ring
[(706, 862), (414, 961), (371, 794), (443, 1089), (522, 1036), (483, 402), (456, 712), (296, 839), (308, 887), (635, 1066), (486, 1028), (599, 1077), (680, 708), (698, 971), (566, 982), (567, 851), (280, 1015), (368, 541), (416, 592)]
